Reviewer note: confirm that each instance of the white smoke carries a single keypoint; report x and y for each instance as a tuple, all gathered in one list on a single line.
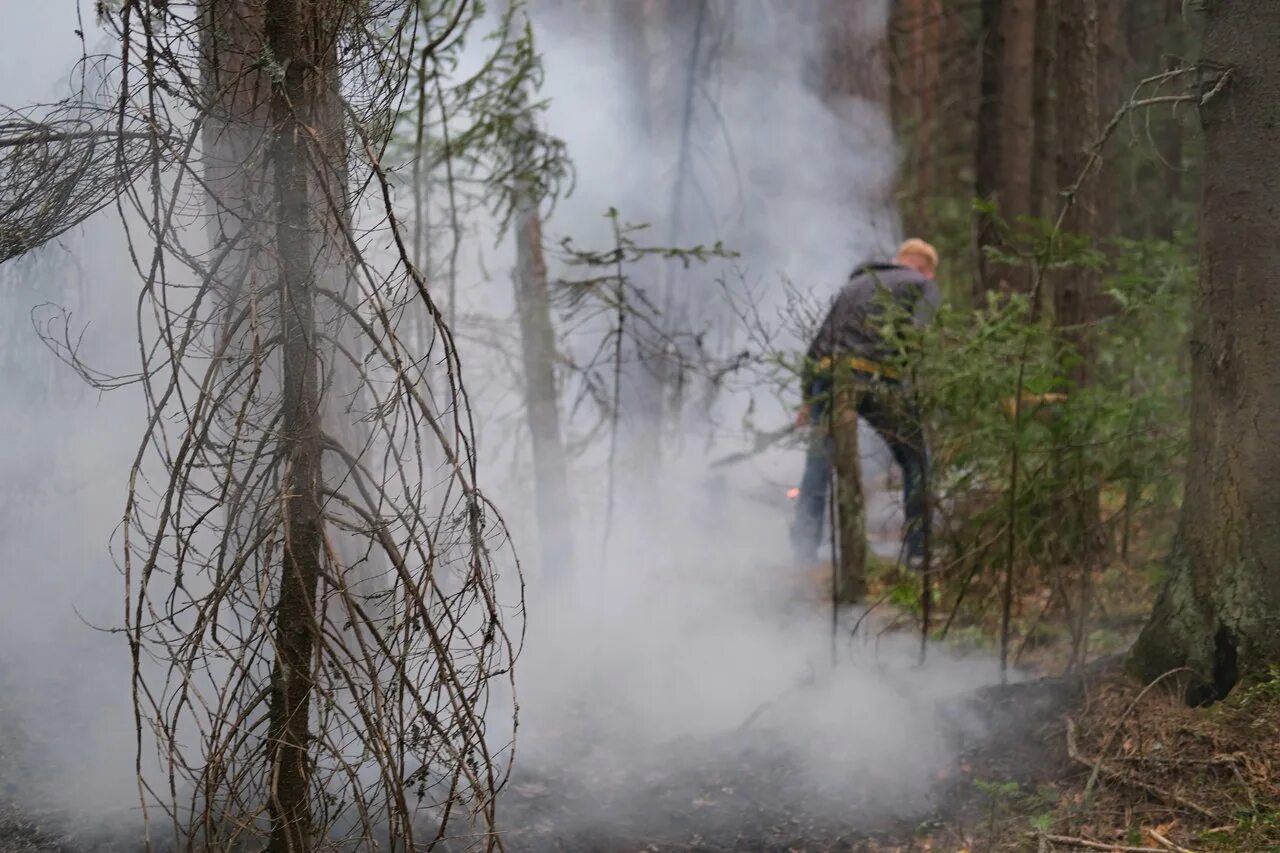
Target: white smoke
[(65, 724), (694, 639)]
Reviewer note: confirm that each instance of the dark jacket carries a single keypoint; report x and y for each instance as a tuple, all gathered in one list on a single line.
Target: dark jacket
[(850, 326)]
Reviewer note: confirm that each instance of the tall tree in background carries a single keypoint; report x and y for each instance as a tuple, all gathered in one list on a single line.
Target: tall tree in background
[(1114, 67), (542, 402), (853, 68), (1077, 537), (1075, 291), (539, 353), (987, 142), (1219, 612), (917, 40), (1017, 108), (1044, 199), (1006, 134), (641, 393)]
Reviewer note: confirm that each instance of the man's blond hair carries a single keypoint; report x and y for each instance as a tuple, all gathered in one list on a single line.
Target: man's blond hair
[(921, 249)]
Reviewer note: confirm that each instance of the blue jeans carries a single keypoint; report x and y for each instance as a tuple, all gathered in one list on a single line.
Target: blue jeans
[(885, 408)]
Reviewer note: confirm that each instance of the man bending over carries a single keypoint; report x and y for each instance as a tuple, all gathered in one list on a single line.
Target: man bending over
[(848, 343)]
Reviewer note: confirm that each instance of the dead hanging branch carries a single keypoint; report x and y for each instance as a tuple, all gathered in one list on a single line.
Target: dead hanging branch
[(59, 165), (312, 603)]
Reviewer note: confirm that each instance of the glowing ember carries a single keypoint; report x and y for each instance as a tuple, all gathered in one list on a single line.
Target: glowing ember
[(792, 494)]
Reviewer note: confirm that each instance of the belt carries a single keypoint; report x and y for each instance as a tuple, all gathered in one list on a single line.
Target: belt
[(861, 365)]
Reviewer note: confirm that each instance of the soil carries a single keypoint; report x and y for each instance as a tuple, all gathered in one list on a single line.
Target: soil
[(1198, 779), (739, 801)]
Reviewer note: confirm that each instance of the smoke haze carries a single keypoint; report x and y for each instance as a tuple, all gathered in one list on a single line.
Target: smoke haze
[(688, 647)]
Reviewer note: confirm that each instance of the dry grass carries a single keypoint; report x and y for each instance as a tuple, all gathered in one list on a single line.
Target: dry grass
[(1138, 770)]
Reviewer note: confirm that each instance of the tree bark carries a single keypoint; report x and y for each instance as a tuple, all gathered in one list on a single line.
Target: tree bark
[(917, 48), (538, 347), (1017, 104), (1113, 64), (1017, 124), (1219, 612), (294, 109), (850, 560), (257, 202), (1075, 292), (542, 400), (988, 143), (1044, 162)]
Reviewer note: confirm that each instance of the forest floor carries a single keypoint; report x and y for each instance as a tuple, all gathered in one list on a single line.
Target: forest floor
[(1092, 761), (1089, 760)]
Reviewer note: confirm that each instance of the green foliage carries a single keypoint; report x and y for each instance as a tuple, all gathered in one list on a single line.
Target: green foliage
[(1011, 798), (1265, 690), (607, 293), (997, 791), (482, 126), (1253, 829), (1119, 437), (608, 282)]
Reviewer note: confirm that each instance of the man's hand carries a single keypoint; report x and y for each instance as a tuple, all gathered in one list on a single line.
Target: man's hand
[(802, 416)]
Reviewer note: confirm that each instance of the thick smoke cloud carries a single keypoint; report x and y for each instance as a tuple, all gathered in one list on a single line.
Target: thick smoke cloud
[(695, 650)]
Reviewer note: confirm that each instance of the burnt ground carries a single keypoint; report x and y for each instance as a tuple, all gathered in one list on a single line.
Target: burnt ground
[(1093, 761), (743, 795), (739, 799), (1164, 777), (29, 820)]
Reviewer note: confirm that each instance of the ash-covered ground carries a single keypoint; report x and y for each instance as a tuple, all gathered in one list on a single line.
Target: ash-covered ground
[(751, 790)]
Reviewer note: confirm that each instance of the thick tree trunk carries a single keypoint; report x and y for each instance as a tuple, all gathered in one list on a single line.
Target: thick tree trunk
[(1219, 613), (1017, 104)]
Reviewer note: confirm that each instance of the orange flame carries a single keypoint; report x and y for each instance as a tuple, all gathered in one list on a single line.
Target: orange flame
[(792, 494)]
